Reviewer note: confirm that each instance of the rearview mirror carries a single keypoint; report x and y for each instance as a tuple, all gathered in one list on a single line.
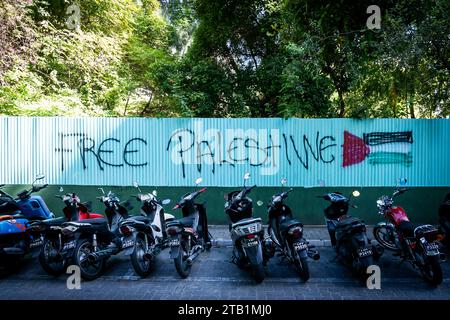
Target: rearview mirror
[(155, 193), (198, 181), (165, 201), (356, 193), (246, 176), (136, 185), (283, 181), (40, 176), (101, 189), (259, 203), (402, 181), (61, 189)]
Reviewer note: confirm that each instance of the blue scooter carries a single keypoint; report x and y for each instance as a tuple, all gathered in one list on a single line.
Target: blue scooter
[(17, 238)]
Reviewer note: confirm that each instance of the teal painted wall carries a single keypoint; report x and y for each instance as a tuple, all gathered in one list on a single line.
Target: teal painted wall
[(175, 151), (421, 203)]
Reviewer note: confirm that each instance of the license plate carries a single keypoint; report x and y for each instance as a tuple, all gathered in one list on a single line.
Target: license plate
[(431, 246), (70, 245), (364, 252), (250, 243), (127, 243), (36, 243), (300, 246), (174, 242)]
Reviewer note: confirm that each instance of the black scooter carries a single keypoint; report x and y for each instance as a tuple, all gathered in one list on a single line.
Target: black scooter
[(348, 235), (188, 236), (287, 234), (99, 239), (247, 233)]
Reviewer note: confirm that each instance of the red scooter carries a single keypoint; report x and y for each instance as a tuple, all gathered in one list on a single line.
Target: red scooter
[(57, 247), (417, 244)]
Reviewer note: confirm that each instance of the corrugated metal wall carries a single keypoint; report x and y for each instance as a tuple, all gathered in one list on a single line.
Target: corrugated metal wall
[(174, 152)]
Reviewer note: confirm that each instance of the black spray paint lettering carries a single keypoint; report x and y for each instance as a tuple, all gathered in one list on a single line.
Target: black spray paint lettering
[(317, 153), (244, 149), (110, 146)]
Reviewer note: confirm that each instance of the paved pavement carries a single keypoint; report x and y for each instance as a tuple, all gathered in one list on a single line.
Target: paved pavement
[(214, 277), (316, 235)]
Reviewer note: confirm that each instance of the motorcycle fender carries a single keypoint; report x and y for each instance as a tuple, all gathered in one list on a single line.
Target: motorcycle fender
[(384, 224), (174, 252), (254, 254)]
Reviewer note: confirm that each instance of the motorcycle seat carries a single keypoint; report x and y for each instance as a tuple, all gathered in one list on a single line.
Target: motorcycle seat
[(246, 221), (287, 224), (95, 221), (53, 222), (407, 228), (187, 222), (140, 219)]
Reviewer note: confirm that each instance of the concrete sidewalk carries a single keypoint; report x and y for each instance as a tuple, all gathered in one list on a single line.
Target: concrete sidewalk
[(316, 235)]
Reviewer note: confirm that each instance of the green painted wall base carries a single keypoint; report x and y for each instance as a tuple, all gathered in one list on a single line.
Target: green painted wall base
[(420, 203)]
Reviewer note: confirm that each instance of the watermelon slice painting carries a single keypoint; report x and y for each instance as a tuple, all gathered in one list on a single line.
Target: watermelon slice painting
[(378, 148)]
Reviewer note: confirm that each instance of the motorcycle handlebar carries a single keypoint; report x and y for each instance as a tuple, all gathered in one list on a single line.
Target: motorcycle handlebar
[(59, 196)]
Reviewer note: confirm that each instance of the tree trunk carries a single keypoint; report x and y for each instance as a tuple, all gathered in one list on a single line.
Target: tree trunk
[(341, 104)]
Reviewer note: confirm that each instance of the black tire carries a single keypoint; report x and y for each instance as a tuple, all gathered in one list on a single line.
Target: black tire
[(89, 271), (258, 272), (141, 265), (364, 263), (56, 268), (183, 268), (432, 271), (384, 238), (301, 265)]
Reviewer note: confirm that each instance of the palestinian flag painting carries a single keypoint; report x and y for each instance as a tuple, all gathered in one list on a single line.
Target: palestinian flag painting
[(378, 148)]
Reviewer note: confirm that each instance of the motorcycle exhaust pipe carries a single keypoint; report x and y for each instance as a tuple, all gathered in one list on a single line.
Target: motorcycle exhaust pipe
[(314, 254), (151, 254), (192, 257), (102, 254)]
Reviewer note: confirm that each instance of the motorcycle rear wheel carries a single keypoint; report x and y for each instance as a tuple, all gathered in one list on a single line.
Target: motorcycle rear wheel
[(301, 264), (141, 265), (89, 271), (56, 268), (181, 264), (258, 272), (432, 270)]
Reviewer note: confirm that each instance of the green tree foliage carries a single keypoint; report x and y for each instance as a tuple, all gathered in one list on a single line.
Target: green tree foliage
[(225, 58)]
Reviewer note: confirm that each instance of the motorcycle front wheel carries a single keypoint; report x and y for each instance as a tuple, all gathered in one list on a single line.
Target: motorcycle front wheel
[(385, 237), (89, 270), (141, 265), (54, 268), (181, 264)]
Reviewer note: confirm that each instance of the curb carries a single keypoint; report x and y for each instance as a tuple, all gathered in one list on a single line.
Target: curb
[(220, 242)]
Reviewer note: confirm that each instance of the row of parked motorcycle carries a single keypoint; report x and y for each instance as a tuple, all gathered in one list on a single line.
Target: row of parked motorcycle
[(88, 240)]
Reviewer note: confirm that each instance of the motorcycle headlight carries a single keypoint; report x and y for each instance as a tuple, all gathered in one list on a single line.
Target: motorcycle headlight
[(380, 203)]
